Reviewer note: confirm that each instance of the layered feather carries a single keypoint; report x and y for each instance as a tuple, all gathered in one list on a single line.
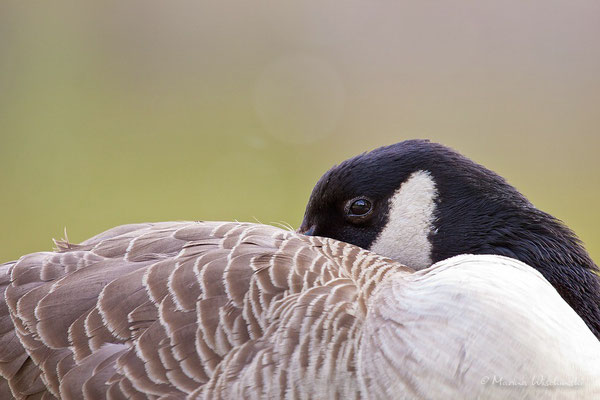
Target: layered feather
[(235, 310)]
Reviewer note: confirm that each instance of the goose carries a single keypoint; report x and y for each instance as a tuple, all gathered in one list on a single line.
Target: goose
[(420, 202), (416, 273)]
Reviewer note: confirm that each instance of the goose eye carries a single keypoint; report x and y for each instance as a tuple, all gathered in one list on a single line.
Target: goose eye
[(359, 207)]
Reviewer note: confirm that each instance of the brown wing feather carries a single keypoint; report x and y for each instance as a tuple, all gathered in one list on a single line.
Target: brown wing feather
[(198, 309)]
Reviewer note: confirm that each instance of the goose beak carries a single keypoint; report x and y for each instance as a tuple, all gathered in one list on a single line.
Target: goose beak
[(307, 231)]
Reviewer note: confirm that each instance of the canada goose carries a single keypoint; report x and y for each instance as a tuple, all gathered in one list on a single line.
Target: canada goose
[(238, 310), (419, 202)]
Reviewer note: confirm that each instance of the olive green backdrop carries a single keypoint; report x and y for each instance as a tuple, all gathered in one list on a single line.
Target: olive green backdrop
[(117, 112)]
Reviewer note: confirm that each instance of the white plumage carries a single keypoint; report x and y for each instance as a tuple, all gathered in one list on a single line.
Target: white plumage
[(478, 327)]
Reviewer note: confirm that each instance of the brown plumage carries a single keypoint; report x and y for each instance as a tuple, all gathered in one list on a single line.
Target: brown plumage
[(170, 309)]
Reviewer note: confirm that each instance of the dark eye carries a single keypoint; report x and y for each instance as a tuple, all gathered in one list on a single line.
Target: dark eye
[(360, 207), (358, 210)]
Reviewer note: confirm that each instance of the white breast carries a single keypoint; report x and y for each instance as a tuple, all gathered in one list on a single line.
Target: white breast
[(483, 326)]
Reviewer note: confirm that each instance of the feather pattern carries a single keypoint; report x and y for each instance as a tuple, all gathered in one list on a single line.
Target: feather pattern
[(238, 310)]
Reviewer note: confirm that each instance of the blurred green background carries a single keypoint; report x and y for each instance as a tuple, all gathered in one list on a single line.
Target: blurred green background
[(117, 112)]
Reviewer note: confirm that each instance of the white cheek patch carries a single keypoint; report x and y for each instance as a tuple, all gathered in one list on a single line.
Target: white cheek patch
[(405, 238)]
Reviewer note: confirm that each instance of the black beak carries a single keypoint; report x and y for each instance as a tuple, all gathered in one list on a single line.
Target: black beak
[(308, 232)]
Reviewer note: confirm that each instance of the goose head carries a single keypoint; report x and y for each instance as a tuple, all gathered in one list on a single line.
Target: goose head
[(419, 202)]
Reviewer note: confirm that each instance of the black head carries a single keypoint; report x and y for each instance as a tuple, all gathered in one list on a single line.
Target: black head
[(420, 202), (421, 190)]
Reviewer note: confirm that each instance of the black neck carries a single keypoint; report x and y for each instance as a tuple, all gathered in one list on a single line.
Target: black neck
[(568, 267), (540, 241)]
